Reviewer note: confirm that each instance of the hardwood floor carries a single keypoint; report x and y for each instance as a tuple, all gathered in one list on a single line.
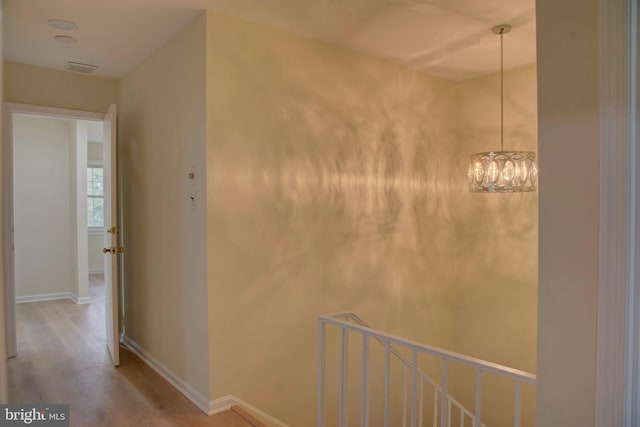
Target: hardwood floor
[(62, 358)]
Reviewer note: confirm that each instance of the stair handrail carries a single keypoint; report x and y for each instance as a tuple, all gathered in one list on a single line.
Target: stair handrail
[(515, 374), (341, 320), (353, 316)]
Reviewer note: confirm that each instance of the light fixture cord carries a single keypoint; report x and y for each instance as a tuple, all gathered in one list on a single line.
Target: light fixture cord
[(501, 94)]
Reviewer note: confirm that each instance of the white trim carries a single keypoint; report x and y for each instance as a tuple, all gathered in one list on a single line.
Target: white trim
[(181, 385), (632, 350), (95, 231), (225, 403), (96, 271), (64, 113), (269, 420), (8, 109), (208, 407), (619, 238), (80, 300), (221, 404), (7, 230), (44, 297), (92, 165)]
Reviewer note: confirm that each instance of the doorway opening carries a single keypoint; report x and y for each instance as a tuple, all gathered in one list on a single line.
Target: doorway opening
[(58, 207), (58, 201)]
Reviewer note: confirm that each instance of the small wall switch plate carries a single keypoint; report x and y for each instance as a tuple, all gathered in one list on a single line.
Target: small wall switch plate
[(192, 196)]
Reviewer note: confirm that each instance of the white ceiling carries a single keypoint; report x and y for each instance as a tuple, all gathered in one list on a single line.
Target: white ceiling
[(446, 38)]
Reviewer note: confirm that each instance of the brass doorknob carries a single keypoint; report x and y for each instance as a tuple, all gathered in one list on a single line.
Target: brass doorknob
[(112, 250)]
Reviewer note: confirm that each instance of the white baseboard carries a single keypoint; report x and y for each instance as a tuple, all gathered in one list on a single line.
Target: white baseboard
[(80, 300), (221, 404), (181, 385), (208, 407), (44, 297), (226, 402)]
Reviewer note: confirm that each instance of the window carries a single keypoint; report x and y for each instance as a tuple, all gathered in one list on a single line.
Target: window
[(95, 196)]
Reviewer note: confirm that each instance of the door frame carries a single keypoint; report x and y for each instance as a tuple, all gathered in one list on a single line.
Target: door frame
[(618, 334), (8, 110)]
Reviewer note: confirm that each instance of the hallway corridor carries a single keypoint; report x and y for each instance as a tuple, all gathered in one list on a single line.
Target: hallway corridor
[(62, 358)]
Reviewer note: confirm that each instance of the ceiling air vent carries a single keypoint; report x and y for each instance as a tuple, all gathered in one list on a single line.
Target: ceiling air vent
[(80, 68)]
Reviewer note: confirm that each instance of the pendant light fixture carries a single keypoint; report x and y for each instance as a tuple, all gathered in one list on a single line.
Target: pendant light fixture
[(502, 171)]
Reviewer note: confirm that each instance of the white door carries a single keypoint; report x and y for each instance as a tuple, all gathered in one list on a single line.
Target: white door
[(111, 249)]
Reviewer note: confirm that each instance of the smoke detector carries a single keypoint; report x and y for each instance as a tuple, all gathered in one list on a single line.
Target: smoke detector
[(79, 67)]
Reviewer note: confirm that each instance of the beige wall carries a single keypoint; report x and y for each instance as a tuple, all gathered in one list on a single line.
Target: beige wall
[(497, 244), (568, 93), (336, 181), (329, 178), (42, 214), (28, 84), (162, 139)]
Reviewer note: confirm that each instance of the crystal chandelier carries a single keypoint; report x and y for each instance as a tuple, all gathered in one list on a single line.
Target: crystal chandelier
[(502, 171)]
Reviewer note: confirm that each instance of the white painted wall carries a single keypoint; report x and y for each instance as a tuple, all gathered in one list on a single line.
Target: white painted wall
[(162, 139), (568, 111), (95, 255), (94, 151), (43, 248), (28, 84), (78, 209)]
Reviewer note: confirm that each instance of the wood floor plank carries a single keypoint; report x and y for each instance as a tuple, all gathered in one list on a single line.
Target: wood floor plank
[(62, 358)]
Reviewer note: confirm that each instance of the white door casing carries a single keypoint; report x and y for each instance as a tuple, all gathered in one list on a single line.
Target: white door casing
[(8, 110)]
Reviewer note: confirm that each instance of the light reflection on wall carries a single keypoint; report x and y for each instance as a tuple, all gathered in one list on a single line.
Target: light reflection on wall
[(329, 187), (379, 194), (370, 183)]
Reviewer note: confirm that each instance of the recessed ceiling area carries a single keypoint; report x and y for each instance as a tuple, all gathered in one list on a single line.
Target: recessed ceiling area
[(446, 38)]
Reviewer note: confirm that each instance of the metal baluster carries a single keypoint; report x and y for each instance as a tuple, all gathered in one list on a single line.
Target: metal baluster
[(478, 414), (364, 392), (387, 363), (516, 416), (404, 395), (444, 396), (435, 407), (342, 396), (321, 372), (421, 400), (414, 370)]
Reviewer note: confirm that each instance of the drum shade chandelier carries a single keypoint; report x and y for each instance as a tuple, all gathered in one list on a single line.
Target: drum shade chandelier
[(502, 171)]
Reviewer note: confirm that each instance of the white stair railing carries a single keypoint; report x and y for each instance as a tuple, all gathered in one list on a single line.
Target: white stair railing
[(442, 407)]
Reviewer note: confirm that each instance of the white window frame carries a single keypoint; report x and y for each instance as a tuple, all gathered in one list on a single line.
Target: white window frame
[(94, 164)]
